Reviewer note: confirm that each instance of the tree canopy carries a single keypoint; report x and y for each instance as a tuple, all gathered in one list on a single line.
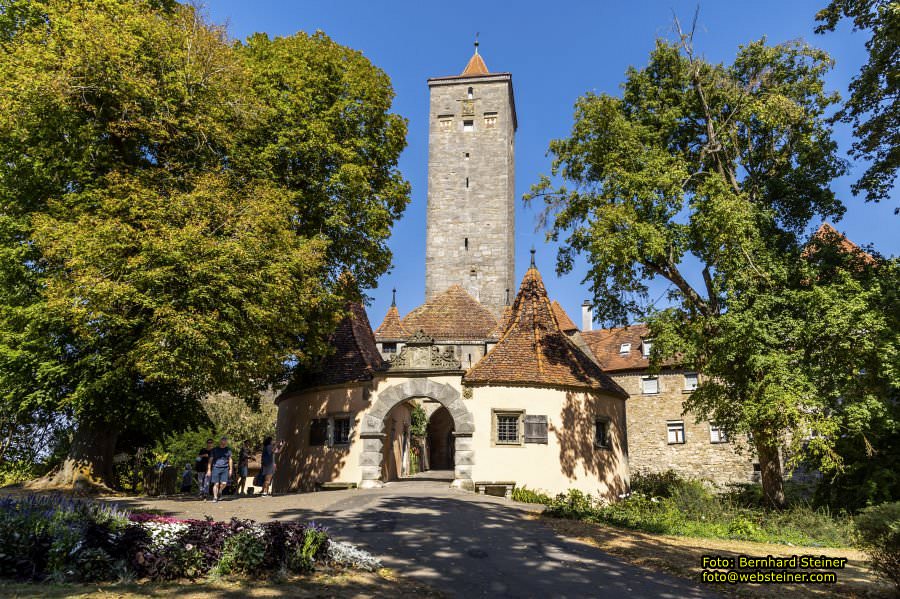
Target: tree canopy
[(873, 107), (180, 214), (719, 169)]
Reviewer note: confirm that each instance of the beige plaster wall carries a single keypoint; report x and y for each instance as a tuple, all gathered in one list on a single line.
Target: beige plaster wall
[(396, 422), (299, 466), (697, 457), (569, 459)]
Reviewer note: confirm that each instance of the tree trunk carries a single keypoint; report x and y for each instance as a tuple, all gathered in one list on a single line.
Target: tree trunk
[(770, 469), (89, 466)]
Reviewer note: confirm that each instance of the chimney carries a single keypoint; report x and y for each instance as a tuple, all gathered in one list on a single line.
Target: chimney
[(587, 316)]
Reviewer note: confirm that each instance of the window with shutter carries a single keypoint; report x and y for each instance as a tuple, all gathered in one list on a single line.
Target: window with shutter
[(535, 429)]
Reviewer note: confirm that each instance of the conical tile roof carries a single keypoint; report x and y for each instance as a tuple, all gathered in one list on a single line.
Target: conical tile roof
[(355, 357), (503, 323), (391, 327), (535, 351), (565, 323), (452, 315)]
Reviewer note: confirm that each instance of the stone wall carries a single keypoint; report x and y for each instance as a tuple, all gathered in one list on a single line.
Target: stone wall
[(697, 457), (471, 225)]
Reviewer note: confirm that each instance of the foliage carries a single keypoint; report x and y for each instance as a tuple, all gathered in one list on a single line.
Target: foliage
[(62, 539), (655, 484), (725, 167), (419, 421), (690, 508), (525, 495), (874, 103), (878, 532), (163, 190), (231, 416)]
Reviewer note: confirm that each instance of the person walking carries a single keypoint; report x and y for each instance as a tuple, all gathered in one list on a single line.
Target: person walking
[(220, 468), (202, 467), (244, 459), (268, 463)]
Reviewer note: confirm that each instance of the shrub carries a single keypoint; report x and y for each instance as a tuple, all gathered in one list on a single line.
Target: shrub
[(303, 556), (655, 484), (575, 504), (878, 532), (243, 552), (526, 495)]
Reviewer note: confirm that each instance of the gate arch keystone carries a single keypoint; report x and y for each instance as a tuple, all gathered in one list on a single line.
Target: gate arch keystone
[(372, 430)]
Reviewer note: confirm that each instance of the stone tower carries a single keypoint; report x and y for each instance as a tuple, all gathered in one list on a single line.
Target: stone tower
[(471, 205)]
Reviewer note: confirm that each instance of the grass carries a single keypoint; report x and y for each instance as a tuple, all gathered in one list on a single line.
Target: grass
[(681, 556), (338, 584)]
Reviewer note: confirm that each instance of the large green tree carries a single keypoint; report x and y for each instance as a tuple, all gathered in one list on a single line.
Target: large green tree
[(873, 107), (179, 214), (713, 169)]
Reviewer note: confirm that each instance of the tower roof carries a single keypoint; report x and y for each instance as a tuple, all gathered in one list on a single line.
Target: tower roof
[(355, 357), (565, 323), (476, 65), (535, 351), (453, 314), (391, 327), (503, 323)]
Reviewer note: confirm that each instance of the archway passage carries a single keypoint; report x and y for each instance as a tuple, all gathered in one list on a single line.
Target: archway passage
[(440, 441), (373, 431)]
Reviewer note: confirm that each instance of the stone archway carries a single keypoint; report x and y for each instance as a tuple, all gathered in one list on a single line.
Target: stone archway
[(372, 430)]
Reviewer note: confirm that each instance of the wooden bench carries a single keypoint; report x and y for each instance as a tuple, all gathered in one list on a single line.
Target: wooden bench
[(508, 487), (335, 486)]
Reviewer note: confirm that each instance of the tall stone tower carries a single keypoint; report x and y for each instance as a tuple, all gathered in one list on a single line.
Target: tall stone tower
[(471, 205)]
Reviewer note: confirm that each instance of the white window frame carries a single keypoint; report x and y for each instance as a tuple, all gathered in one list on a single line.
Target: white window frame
[(646, 346), (646, 379), (675, 426), (716, 434), (687, 386), (624, 348)]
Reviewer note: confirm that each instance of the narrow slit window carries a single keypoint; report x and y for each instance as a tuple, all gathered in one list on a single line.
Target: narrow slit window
[(467, 183), (470, 94)]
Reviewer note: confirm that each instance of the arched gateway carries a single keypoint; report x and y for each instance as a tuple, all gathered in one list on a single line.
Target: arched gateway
[(372, 429)]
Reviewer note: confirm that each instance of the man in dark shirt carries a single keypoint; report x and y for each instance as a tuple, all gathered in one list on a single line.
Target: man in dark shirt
[(220, 467), (202, 466)]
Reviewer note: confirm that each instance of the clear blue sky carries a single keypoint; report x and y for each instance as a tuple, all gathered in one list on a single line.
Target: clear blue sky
[(556, 51)]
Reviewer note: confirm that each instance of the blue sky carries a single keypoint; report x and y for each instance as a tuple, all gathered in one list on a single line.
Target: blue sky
[(555, 52)]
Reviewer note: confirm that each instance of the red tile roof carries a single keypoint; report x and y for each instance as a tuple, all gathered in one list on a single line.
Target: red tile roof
[(828, 234), (606, 345), (503, 323), (565, 323), (355, 357), (535, 351), (391, 328), (452, 315), (476, 66)]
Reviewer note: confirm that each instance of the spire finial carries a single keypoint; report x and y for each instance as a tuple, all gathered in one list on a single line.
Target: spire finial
[(394, 298), (476, 42), (532, 256)]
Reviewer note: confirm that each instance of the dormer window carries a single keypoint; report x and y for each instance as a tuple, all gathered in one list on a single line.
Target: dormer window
[(625, 348), (645, 347)]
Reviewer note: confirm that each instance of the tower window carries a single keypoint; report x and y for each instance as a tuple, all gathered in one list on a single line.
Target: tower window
[(467, 182), (467, 155), (468, 125), (473, 274), (470, 94), (467, 244)]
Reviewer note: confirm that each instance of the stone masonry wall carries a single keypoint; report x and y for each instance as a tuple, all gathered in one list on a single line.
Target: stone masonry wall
[(471, 225), (697, 457)]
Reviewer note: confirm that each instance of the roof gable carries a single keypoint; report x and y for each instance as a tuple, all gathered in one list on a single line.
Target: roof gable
[(535, 351)]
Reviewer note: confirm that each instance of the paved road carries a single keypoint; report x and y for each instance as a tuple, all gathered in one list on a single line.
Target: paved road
[(460, 543)]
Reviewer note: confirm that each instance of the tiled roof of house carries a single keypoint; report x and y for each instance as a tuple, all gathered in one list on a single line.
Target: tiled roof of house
[(565, 323), (355, 357), (391, 327), (607, 345), (535, 351), (828, 234), (502, 323), (452, 315), (476, 66)]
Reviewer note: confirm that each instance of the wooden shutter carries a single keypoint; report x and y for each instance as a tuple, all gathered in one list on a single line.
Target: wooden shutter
[(535, 429)]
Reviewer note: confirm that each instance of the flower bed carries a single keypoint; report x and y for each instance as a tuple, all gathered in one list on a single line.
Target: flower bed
[(74, 540)]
